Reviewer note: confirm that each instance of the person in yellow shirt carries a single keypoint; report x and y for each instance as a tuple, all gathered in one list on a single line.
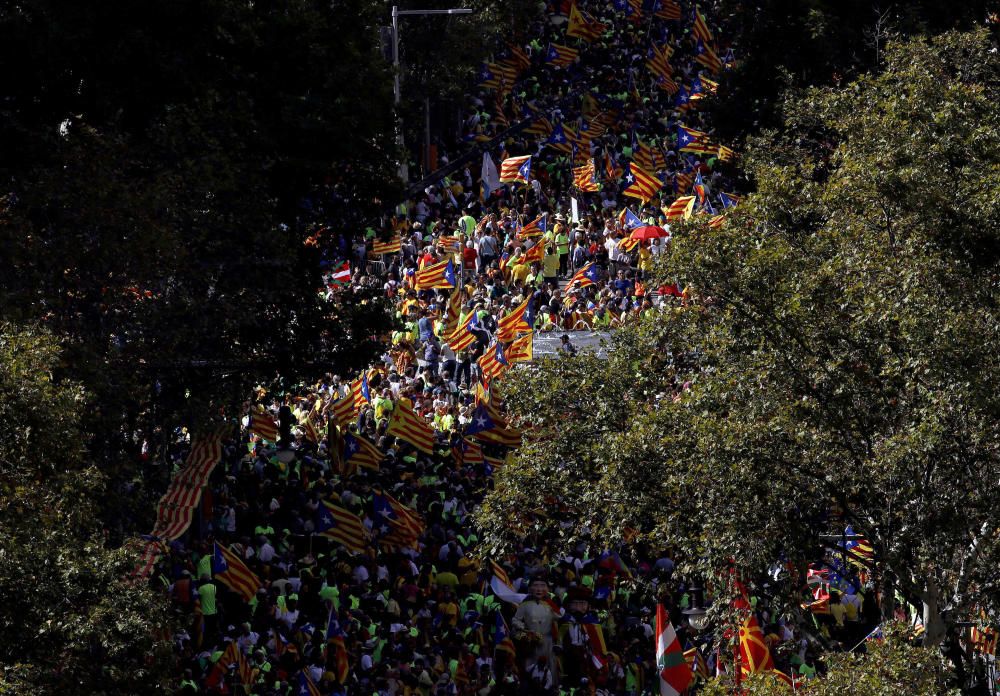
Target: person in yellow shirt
[(645, 260), (562, 244), (550, 264), (519, 271)]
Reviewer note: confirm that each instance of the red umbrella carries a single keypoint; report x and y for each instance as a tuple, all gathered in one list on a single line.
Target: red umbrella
[(648, 232)]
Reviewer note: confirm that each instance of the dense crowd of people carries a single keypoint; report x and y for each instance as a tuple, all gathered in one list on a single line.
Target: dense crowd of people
[(346, 561)]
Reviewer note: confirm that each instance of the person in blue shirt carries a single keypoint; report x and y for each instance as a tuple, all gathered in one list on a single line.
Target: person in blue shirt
[(622, 283)]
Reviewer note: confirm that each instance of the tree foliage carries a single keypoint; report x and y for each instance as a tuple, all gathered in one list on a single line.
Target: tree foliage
[(890, 666), (782, 44), (162, 166), (72, 621), (838, 356)]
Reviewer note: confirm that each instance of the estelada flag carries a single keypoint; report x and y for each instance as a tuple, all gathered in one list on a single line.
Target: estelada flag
[(515, 170), (344, 410), (585, 177), (436, 276), (342, 526), (359, 452), (582, 25), (586, 276), (535, 228), (454, 311), (231, 571), (408, 426), (754, 654), (310, 431), (561, 56), (700, 28), (680, 208), (520, 319), (675, 674), (639, 183), (493, 363), (522, 349), (535, 254), (707, 57), (462, 337), (666, 9)]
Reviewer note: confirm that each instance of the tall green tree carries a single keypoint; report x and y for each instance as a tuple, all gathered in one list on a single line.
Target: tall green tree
[(163, 165), (72, 621), (838, 354)]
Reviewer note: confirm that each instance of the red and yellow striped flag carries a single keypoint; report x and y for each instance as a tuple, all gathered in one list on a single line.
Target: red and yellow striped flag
[(522, 349), (680, 209), (263, 425), (514, 323), (393, 246), (343, 526), (436, 276), (640, 184), (408, 426), (231, 571)]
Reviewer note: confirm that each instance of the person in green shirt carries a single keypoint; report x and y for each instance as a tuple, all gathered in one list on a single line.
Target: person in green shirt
[(207, 592), (467, 224)]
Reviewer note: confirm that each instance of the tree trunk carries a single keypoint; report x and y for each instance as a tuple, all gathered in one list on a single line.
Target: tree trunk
[(887, 595), (934, 626)]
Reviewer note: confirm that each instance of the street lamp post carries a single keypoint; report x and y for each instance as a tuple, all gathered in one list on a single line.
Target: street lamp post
[(396, 93)]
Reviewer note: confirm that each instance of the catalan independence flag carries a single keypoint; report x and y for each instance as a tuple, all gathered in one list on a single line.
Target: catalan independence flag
[(728, 200), (519, 320), (691, 140), (583, 26), (501, 636), (522, 349), (515, 170), (232, 572), (561, 56), (263, 425), (494, 362), (462, 337), (310, 431), (585, 177), (535, 254), (535, 228), (681, 208), (467, 452), (559, 140), (586, 276), (666, 9), (359, 452), (700, 28), (341, 525), (305, 686), (436, 276), (639, 183), (396, 524), (658, 63), (707, 57), (408, 426)]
